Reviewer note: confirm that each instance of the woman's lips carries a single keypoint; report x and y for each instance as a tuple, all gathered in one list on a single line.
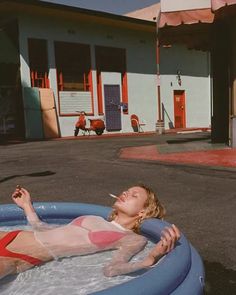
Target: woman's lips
[(121, 198)]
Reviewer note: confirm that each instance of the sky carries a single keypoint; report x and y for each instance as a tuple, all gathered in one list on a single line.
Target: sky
[(112, 6)]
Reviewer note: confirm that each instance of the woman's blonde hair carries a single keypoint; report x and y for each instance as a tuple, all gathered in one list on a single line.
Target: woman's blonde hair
[(153, 208)]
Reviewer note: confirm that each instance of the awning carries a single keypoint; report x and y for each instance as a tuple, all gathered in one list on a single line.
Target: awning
[(217, 4), (177, 18)]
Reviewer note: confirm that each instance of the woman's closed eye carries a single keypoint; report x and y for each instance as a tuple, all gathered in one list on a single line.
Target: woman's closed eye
[(135, 196)]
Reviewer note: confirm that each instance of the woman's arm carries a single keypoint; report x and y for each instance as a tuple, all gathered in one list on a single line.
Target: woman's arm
[(132, 244), (129, 246), (22, 199)]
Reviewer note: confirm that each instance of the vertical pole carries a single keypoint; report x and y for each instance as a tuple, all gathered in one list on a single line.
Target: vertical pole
[(232, 105), (158, 80), (160, 123), (221, 91)]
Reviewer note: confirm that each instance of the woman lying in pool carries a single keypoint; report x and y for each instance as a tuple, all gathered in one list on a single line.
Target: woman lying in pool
[(23, 249)]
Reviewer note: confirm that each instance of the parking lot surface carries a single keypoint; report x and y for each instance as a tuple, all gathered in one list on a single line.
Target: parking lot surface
[(200, 200)]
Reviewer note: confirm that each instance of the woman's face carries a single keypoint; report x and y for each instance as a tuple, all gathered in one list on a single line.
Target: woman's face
[(131, 202)]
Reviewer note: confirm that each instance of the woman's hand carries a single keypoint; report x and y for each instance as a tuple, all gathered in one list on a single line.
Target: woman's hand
[(170, 235), (21, 197)]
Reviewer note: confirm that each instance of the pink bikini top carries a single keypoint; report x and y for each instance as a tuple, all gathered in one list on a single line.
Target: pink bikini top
[(101, 238)]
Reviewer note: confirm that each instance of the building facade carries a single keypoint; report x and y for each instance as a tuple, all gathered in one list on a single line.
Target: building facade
[(185, 75), (208, 25), (57, 60), (185, 79)]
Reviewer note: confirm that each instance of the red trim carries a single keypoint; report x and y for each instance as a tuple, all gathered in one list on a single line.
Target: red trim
[(60, 82), (125, 90), (74, 114), (58, 99), (180, 93), (158, 57), (47, 81), (32, 78), (44, 80), (99, 93), (159, 102), (60, 88), (90, 81)]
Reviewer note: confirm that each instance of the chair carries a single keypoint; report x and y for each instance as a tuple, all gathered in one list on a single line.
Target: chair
[(136, 124)]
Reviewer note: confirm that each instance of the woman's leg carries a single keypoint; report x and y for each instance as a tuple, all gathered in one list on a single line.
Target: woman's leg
[(7, 267), (3, 233)]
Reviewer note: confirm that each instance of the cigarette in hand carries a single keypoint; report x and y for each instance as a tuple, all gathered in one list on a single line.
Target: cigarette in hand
[(18, 194)]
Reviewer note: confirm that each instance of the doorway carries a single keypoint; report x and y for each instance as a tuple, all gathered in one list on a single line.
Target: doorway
[(112, 107), (11, 107), (111, 60), (179, 109)]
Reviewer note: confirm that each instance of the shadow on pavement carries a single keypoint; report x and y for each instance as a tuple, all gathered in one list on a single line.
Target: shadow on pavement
[(219, 280), (185, 140), (36, 174), (9, 140)]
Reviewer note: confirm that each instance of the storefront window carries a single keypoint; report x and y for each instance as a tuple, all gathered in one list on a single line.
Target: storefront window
[(38, 62), (74, 76)]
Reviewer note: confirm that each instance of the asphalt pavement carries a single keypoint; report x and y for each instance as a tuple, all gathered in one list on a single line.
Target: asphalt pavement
[(200, 200)]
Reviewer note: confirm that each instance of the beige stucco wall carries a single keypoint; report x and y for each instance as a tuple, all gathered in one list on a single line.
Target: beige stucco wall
[(176, 5)]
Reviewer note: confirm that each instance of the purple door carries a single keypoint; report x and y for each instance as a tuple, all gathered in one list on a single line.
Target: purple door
[(112, 107)]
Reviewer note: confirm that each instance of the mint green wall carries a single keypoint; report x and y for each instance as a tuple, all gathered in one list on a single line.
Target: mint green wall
[(140, 55), (194, 67)]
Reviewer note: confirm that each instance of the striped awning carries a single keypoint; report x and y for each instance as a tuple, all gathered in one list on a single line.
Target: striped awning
[(187, 17)]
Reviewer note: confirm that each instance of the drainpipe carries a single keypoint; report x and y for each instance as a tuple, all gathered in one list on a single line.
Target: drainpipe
[(160, 122)]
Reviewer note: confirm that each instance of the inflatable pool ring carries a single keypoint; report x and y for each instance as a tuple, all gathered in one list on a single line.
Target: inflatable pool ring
[(180, 272)]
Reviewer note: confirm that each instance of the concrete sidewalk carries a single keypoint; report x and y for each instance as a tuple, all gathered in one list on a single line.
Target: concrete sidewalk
[(184, 152), (176, 146)]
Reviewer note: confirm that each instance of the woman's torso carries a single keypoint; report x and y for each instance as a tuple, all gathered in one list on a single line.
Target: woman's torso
[(84, 235)]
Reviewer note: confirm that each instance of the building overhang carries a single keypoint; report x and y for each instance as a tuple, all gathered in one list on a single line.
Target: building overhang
[(195, 36), (193, 27), (64, 10), (186, 17)]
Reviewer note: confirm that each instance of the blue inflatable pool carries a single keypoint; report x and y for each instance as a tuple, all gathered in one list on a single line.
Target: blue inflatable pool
[(181, 272)]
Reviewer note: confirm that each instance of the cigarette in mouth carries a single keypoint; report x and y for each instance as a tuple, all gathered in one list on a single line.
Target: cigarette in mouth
[(113, 196)]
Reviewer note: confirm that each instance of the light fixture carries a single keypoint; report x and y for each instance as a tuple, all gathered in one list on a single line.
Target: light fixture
[(178, 77)]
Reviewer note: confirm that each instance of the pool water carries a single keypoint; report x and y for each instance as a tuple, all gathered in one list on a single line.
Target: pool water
[(72, 276)]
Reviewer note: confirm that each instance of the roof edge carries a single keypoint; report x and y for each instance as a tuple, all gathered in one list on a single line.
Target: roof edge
[(83, 10)]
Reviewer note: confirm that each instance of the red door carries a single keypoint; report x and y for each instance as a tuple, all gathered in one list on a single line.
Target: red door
[(179, 108)]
